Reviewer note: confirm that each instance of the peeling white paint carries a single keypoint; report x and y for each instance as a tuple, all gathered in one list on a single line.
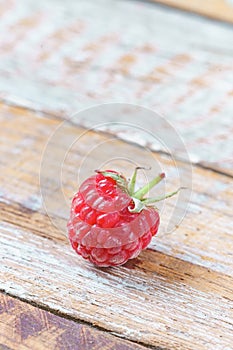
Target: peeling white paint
[(127, 302), (84, 66)]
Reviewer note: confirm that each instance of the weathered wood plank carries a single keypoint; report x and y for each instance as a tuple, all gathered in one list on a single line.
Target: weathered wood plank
[(21, 159), (155, 299), (19, 183), (23, 326), (175, 279), (217, 9), (177, 64)]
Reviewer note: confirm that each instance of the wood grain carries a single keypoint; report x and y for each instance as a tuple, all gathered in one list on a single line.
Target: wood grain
[(155, 300), (216, 9), (177, 294), (60, 59), (23, 326)]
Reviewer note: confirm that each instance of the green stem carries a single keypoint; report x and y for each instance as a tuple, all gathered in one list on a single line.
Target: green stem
[(145, 189), (132, 182), (138, 206), (160, 198)]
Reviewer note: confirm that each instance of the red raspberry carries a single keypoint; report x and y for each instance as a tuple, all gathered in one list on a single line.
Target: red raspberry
[(109, 222)]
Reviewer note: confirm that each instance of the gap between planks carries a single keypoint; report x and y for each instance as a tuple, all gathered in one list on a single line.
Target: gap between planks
[(62, 118)]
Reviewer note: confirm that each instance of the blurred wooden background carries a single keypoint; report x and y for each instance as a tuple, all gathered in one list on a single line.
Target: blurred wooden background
[(216, 9), (60, 59)]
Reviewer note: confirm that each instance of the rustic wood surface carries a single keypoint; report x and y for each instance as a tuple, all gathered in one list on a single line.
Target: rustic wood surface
[(177, 294), (59, 59), (26, 327), (217, 9)]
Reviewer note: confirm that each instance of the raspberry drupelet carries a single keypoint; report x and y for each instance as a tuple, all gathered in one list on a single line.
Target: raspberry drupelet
[(110, 222)]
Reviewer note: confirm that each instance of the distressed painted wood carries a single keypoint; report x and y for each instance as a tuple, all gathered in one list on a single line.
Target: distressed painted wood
[(60, 59), (217, 9), (23, 326), (177, 294), (155, 299)]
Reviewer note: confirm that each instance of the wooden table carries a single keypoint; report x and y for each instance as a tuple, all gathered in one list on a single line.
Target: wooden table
[(57, 60)]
